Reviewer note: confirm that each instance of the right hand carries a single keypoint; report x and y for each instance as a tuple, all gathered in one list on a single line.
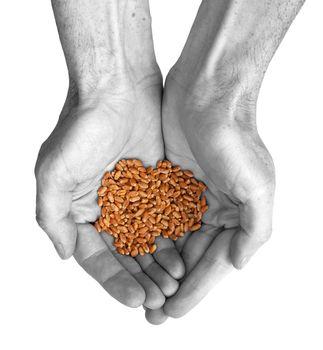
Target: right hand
[(90, 137)]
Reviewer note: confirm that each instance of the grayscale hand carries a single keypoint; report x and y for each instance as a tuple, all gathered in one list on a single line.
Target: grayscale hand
[(209, 127), (112, 111)]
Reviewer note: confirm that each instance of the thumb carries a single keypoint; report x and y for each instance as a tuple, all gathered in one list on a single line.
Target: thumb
[(53, 214), (255, 227)]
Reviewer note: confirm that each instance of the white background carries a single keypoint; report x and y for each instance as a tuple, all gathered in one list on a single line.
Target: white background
[(275, 303)]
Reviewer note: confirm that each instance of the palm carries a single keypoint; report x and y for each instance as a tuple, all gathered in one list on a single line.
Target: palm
[(115, 131), (89, 140)]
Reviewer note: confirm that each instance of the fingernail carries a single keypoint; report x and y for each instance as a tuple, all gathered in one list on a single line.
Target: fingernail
[(60, 250), (244, 261)]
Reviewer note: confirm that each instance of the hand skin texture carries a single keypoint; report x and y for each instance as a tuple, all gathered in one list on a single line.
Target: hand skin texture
[(209, 127), (112, 111)]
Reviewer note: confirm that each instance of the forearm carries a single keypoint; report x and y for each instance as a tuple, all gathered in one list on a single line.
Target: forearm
[(104, 39), (236, 40)]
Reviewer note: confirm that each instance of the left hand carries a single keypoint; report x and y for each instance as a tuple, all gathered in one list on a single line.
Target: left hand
[(230, 158)]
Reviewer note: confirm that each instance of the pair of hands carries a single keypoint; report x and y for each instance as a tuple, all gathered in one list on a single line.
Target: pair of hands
[(204, 119), (127, 122)]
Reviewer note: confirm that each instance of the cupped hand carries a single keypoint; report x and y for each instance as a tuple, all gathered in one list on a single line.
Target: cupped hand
[(220, 144), (92, 134)]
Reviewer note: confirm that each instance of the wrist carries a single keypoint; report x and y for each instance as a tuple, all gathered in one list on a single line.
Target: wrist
[(231, 81), (222, 97), (100, 86), (103, 41)]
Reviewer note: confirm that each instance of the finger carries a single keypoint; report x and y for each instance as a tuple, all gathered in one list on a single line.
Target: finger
[(168, 257), (179, 244), (256, 227), (53, 212), (197, 244), (155, 317), (155, 299), (165, 282), (212, 267), (98, 261)]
